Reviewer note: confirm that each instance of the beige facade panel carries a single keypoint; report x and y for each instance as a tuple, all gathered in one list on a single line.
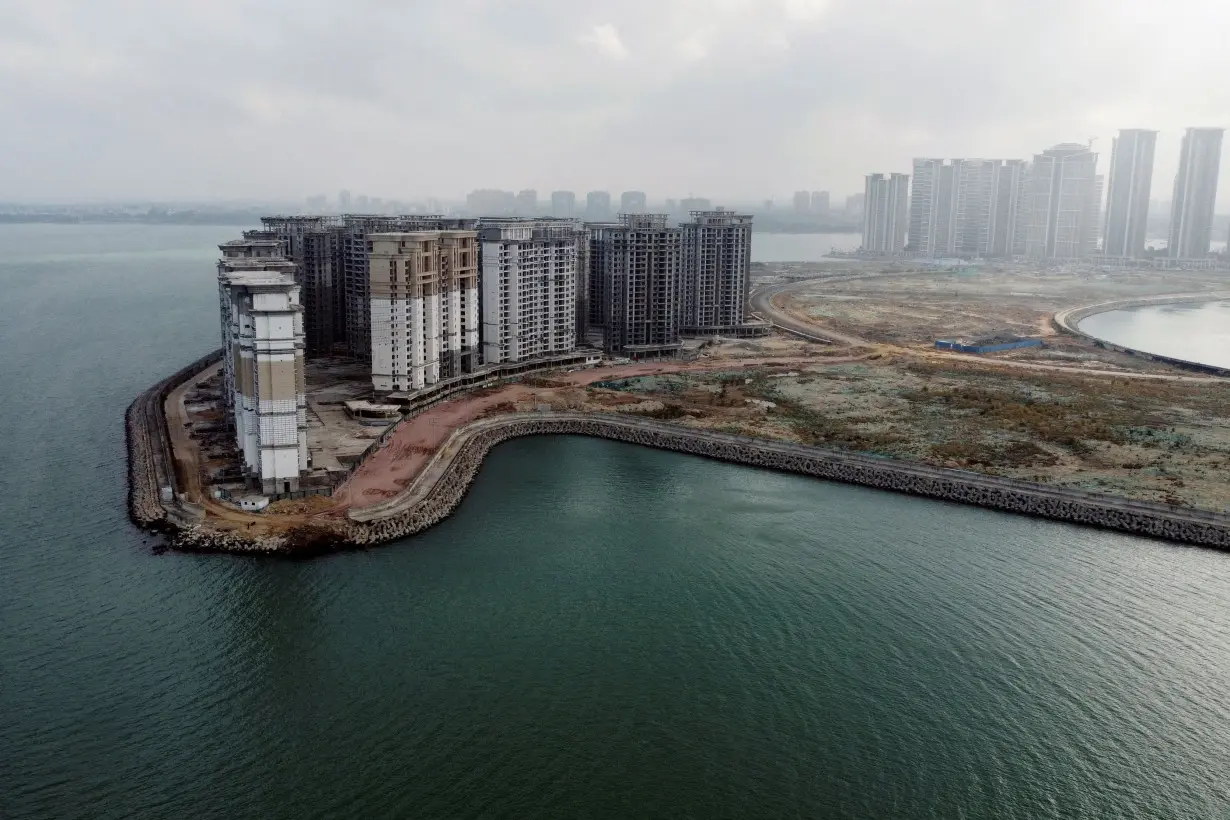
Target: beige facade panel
[(277, 380)]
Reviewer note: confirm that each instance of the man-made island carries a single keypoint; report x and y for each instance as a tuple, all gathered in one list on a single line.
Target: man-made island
[(849, 386)]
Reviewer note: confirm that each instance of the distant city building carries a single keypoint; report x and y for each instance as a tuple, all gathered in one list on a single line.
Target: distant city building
[(529, 289), (885, 212), (819, 203), (768, 206), (597, 206), (632, 202), (639, 262), (491, 202), (1195, 193), (694, 203), (672, 206), (424, 307), (262, 356), (527, 202), (343, 201), (1063, 202), (563, 204), (855, 204), (713, 282), (802, 203), (1127, 202)]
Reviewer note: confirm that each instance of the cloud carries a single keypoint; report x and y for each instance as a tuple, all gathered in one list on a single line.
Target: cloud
[(605, 38), (734, 99)]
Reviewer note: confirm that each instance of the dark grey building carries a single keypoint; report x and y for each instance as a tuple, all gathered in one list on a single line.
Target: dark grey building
[(713, 280), (637, 261)]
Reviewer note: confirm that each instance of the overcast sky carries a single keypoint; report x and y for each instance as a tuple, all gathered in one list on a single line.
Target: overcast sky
[(735, 99)]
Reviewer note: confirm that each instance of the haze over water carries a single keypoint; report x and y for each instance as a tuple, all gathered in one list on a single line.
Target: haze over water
[(600, 631)]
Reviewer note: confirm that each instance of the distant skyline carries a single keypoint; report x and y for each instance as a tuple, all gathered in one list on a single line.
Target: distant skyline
[(734, 100)]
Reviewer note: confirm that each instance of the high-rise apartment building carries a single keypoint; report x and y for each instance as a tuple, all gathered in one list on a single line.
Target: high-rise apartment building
[(885, 212), (802, 203), (424, 307), (713, 280), (965, 207), (640, 258), (529, 289), (491, 202), (312, 243), (1127, 203), (632, 202), (1064, 200), (262, 355), (1195, 193), (819, 203), (527, 202), (597, 206), (695, 203), (563, 204)]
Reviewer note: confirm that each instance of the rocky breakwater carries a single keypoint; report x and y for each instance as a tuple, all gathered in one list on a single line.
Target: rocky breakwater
[(441, 487), (150, 462)]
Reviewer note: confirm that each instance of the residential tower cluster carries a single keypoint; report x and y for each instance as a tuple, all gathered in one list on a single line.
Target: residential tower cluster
[(422, 300), (1049, 207)]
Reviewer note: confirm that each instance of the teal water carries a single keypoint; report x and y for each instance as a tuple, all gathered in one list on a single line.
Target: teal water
[(1194, 332), (601, 631)]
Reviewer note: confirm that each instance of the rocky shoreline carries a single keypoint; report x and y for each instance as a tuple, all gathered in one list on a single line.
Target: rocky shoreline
[(419, 507)]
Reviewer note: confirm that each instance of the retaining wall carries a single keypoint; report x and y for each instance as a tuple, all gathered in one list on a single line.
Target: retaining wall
[(1068, 321), (1075, 506), (151, 465)]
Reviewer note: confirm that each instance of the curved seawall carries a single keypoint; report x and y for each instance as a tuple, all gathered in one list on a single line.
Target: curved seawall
[(420, 506), (1068, 321), (151, 465)]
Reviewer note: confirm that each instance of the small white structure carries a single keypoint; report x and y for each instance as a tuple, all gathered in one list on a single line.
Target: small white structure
[(253, 503)]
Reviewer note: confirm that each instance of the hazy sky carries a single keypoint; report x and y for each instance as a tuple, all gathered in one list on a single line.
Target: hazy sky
[(724, 98)]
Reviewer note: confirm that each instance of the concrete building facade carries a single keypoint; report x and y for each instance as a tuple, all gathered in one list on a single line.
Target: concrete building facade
[(313, 244), (714, 271), (1127, 202), (640, 258), (885, 212), (1195, 193), (1064, 200), (424, 307), (528, 277), (263, 353)]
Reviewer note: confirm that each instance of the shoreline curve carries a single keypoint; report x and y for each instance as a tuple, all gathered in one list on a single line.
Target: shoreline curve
[(1068, 321)]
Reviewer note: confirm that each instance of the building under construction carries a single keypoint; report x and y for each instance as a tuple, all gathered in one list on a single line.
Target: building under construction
[(424, 307), (638, 264), (713, 281), (529, 280), (262, 354), (312, 243)]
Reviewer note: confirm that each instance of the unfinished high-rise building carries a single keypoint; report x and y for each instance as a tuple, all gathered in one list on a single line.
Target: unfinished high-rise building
[(885, 207), (528, 278), (714, 270), (1131, 185), (424, 307), (1195, 193), (639, 262), (313, 244), (262, 354), (1063, 203)]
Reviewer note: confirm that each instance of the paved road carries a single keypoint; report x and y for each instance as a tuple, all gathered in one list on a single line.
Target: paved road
[(762, 303)]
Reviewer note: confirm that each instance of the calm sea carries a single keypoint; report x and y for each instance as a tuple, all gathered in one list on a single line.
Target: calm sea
[(601, 631), (1195, 332)]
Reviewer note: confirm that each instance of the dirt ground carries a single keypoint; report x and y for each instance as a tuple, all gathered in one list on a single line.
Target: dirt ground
[(1153, 440), (916, 308)]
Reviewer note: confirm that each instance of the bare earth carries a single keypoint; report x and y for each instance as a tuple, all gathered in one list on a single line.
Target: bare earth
[(1070, 414)]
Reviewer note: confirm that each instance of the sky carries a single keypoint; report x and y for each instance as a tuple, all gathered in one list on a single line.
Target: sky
[(732, 99)]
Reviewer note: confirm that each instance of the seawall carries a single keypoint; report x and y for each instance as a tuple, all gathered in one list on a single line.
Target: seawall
[(150, 462), (421, 506), (1068, 321)]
